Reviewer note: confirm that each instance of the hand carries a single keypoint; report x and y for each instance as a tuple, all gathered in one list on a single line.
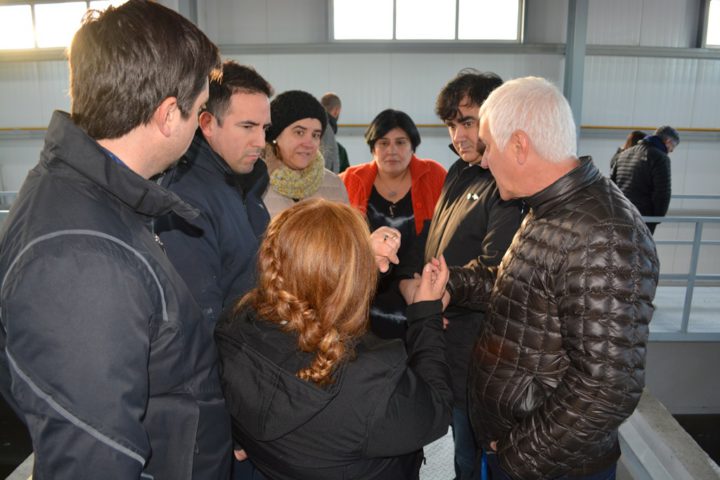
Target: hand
[(385, 243), (435, 275), (240, 455), (408, 286)]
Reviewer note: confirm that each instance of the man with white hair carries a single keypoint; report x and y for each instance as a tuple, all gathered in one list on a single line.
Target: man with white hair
[(560, 362)]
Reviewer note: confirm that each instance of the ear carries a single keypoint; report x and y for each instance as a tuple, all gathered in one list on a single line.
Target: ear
[(206, 123), (166, 115), (520, 144)]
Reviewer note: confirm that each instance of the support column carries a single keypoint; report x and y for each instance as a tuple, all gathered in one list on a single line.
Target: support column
[(575, 47)]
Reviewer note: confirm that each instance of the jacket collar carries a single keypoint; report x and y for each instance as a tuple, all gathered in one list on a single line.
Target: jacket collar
[(565, 187), (656, 142), (254, 181), (72, 146)]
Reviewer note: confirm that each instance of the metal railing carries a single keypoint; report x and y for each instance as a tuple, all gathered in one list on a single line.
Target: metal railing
[(691, 278), (705, 215)]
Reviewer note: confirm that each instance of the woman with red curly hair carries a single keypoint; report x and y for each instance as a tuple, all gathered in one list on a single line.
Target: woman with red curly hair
[(312, 394)]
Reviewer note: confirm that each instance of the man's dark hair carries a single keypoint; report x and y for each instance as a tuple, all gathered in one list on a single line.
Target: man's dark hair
[(235, 78), (666, 132), (468, 83), (125, 61), (388, 120)]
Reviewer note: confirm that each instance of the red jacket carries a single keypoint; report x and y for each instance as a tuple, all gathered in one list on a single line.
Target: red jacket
[(426, 177)]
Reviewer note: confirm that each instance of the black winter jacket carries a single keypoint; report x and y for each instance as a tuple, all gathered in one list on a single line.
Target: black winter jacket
[(369, 424), (642, 173), (470, 224), (216, 253), (110, 366), (561, 362)]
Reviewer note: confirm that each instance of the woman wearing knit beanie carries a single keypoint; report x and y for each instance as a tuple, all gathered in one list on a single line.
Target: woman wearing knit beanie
[(297, 168), (295, 163)]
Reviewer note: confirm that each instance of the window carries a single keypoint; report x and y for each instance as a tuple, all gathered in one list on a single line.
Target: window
[(427, 20), (712, 35), (44, 24)]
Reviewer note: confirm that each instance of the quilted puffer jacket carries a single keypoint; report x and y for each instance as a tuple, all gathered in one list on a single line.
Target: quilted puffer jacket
[(561, 361)]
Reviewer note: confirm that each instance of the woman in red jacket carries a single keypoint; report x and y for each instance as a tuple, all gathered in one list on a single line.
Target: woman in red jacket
[(398, 190)]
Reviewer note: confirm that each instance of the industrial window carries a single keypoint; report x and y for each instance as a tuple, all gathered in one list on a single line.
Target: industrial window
[(712, 34), (427, 20), (31, 25)]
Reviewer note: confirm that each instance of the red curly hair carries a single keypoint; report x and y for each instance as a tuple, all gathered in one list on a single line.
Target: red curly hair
[(317, 276)]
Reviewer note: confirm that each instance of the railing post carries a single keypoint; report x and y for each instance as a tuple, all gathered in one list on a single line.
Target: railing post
[(694, 257)]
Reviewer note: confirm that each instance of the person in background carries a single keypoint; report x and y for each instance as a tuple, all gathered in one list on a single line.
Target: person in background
[(399, 190), (630, 141), (292, 154), (105, 354), (333, 106), (221, 176), (561, 361), (471, 224), (643, 173), (312, 395)]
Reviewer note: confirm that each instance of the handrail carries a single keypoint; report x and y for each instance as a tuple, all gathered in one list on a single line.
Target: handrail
[(692, 276)]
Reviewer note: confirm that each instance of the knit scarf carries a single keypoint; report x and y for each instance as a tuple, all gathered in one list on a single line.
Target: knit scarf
[(295, 184)]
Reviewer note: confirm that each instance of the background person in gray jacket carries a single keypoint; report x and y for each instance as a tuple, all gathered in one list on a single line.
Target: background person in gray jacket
[(560, 362), (103, 353)]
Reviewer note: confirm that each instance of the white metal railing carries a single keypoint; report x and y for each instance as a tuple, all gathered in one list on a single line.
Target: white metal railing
[(692, 277)]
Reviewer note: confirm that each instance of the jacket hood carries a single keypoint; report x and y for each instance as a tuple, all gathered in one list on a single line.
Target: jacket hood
[(264, 396), (655, 141)]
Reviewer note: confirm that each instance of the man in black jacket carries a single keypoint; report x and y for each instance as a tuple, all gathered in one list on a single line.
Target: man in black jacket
[(471, 223), (560, 363), (642, 172), (221, 176), (103, 354)]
